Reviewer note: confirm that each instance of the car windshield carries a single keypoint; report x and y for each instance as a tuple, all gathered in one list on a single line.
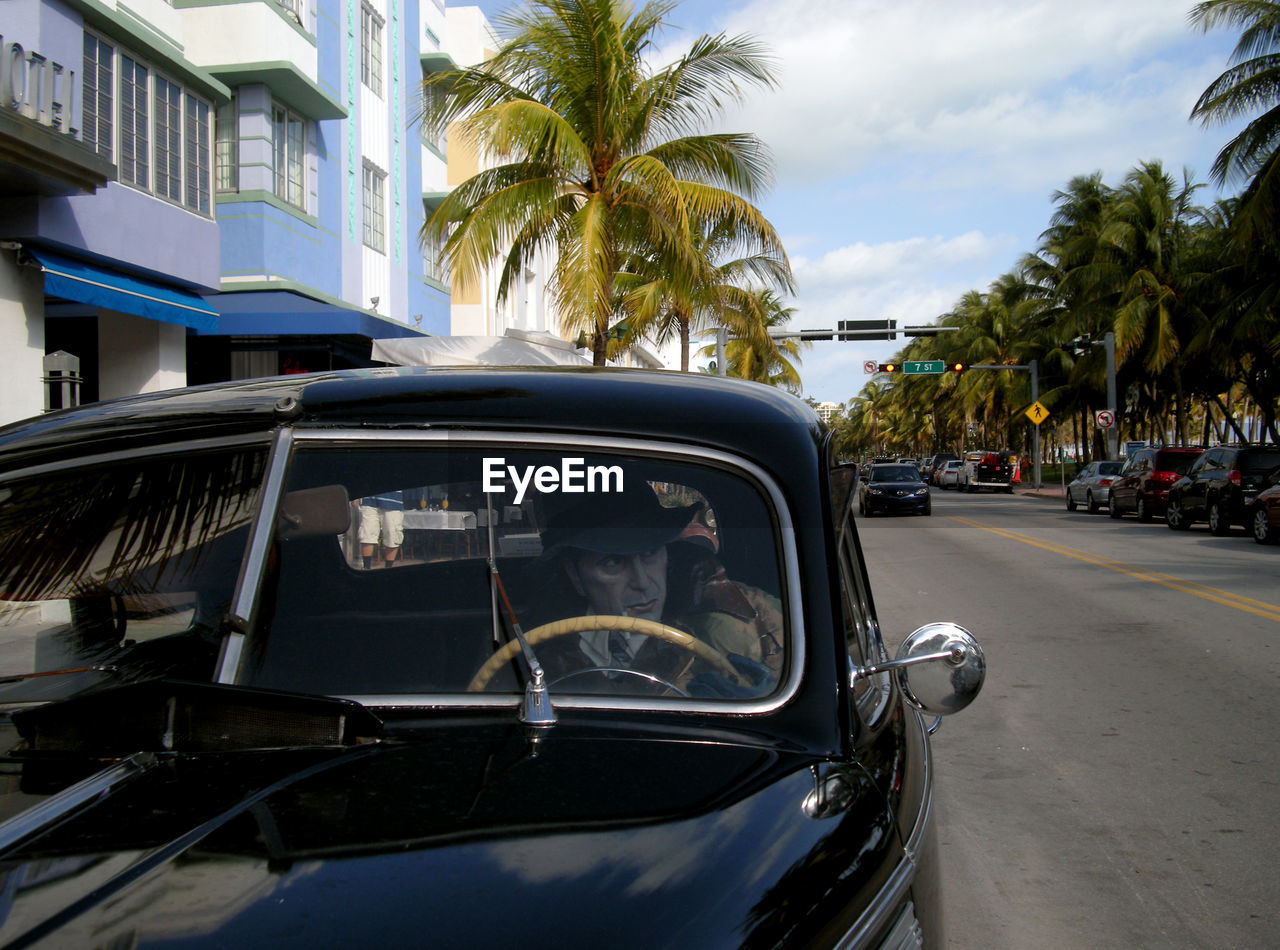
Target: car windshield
[(1254, 461), (1110, 468), (1177, 462), (894, 473), (120, 572), (629, 575)]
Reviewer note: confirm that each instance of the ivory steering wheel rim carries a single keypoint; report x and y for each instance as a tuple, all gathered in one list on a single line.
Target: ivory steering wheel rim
[(561, 628)]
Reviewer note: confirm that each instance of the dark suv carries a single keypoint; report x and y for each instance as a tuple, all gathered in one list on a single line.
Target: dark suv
[(1143, 484), (1220, 487)]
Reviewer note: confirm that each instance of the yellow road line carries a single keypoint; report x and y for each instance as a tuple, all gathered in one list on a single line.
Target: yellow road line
[(1255, 607)]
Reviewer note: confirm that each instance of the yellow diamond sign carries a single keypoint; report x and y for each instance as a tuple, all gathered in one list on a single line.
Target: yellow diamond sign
[(1037, 413)]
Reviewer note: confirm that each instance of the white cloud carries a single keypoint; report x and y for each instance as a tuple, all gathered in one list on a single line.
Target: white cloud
[(993, 83)]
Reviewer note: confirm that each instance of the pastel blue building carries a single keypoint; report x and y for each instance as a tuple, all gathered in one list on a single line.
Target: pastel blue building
[(195, 190)]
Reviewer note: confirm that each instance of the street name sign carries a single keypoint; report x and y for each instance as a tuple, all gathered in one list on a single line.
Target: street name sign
[(1037, 413), (922, 367)]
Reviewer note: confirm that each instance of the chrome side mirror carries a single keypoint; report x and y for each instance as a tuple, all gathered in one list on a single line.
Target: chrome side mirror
[(940, 668)]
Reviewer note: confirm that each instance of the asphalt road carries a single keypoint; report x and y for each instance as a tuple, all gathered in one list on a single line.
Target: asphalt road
[(1117, 783)]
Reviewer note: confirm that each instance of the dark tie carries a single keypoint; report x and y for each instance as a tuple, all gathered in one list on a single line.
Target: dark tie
[(619, 655)]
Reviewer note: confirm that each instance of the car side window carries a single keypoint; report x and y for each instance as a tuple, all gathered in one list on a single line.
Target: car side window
[(863, 644)]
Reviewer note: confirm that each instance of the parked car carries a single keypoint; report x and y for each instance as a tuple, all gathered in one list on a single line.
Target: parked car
[(894, 488), (933, 465), (948, 476), (1220, 487), (1143, 484), (1265, 520), (640, 691), (992, 470), (1092, 485)]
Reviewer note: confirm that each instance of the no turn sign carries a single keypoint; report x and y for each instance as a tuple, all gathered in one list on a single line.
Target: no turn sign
[(1105, 418), (870, 366)]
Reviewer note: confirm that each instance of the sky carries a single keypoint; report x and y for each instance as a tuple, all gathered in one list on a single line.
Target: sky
[(917, 144)]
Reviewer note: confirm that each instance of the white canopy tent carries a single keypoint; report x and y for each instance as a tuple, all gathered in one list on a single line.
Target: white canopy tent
[(517, 348)]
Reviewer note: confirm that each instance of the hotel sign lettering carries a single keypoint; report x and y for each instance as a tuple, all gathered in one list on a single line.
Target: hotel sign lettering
[(36, 87)]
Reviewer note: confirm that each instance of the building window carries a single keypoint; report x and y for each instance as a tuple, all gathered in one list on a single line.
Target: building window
[(371, 49), (134, 136), (227, 175), (97, 108), (433, 258), (146, 122), (374, 190), (168, 126), (288, 136), (198, 156), (294, 9), (433, 137)]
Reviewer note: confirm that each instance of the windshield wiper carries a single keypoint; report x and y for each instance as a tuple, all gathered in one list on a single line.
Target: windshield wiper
[(536, 709)]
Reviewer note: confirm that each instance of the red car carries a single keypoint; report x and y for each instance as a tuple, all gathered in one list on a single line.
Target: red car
[(1143, 484), (1265, 520)]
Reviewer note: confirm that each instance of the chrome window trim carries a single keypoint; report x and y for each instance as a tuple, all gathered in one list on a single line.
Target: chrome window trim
[(245, 597), (789, 567), (123, 455), (82, 794)]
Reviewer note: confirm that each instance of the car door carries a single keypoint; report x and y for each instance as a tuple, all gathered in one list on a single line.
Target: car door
[(1125, 488), (1199, 478)]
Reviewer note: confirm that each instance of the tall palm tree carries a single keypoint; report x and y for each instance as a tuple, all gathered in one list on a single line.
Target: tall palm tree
[(664, 301), (1250, 88), (599, 157), (751, 352)]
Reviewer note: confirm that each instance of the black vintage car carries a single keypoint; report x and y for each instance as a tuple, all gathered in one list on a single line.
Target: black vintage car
[(461, 657)]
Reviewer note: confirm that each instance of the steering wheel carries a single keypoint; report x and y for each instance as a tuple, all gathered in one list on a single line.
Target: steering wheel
[(649, 678), (561, 628)]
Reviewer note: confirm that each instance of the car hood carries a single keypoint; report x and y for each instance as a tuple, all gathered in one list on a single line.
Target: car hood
[(461, 835)]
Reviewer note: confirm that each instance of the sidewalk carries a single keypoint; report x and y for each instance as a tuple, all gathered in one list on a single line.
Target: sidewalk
[(1055, 492)]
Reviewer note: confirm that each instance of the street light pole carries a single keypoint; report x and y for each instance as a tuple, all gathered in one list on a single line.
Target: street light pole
[(1113, 434), (1035, 398)]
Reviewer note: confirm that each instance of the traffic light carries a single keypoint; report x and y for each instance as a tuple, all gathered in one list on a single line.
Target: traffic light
[(889, 367), (957, 367)]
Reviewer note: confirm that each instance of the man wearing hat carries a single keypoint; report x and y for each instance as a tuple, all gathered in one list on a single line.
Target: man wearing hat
[(617, 551)]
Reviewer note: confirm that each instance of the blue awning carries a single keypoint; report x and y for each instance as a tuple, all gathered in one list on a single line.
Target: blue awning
[(284, 313), (98, 286)]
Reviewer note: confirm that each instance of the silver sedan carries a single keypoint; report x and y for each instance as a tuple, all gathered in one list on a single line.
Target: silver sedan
[(1092, 486)]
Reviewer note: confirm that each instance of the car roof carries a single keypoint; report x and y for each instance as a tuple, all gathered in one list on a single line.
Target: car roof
[(751, 419)]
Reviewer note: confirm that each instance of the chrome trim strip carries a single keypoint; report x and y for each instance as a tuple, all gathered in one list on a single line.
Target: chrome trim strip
[(244, 599), (38, 817), (894, 890), (167, 448), (480, 438), (881, 909), (921, 828)]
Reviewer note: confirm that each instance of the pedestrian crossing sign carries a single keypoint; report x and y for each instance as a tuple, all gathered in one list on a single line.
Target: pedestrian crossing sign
[(1037, 413)]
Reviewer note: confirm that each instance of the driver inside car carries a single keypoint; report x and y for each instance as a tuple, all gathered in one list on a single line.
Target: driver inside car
[(622, 555)]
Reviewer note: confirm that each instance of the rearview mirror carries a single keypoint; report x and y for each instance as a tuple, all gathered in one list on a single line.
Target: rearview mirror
[(314, 512), (940, 668)]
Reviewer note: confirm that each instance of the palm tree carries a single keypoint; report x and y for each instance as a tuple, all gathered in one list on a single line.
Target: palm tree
[(599, 156), (1250, 86), (1140, 269), (751, 352), (663, 301)]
